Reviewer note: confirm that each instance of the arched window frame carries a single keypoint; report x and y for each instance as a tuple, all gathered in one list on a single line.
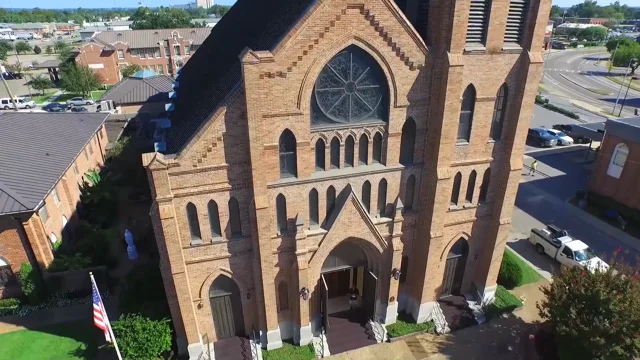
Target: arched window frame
[(349, 148), (320, 155), (363, 150), (314, 211), (366, 195), (409, 193), (377, 148), (235, 222), (408, 142), (281, 214), (283, 296), (331, 200), (499, 110), (618, 160), (194, 224), (455, 189), (335, 153), (466, 114), (214, 219), (287, 153), (471, 184), (382, 198), (6, 273), (484, 187)]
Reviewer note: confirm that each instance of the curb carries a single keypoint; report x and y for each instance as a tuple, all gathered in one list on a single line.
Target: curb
[(559, 149)]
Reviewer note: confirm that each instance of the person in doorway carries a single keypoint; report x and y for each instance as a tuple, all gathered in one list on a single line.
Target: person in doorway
[(353, 298), (533, 168)]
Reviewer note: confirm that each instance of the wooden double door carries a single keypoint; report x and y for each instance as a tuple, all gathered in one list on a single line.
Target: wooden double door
[(454, 269), (226, 309)]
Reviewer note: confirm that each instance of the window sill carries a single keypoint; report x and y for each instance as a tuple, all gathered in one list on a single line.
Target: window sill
[(197, 242), (466, 205), (511, 48), (491, 141), (475, 49), (317, 231), (462, 143), (218, 240)]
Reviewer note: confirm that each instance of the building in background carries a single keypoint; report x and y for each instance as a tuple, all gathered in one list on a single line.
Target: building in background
[(144, 94), (205, 3), (318, 146), (162, 51), (39, 188)]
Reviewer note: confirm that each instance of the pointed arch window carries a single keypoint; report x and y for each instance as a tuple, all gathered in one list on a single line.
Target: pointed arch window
[(281, 213), (366, 195), (214, 219), (409, 192), (335, 153), (377, 148), (471, 184), (351, 88), (194, 223), (407, 142), (235, 224), (349, 145), (382, 197), (363, 150), (313, 207), (499, 110), (320, 155), (466, 114), (618, 160), (283, 296), (331, 200), (484, 187), (455, 191), (287, 146)]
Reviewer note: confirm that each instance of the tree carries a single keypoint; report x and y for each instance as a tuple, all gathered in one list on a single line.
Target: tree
[(142, 338), (613, 42), (628, 56), (79, 79), (593, 33), (37, 49), (594, 315), (41, 83), (22, 47), (129, 70), (556, 11), (60, 45), (15, 67), (49, 50), (5, 46), (162, 18)]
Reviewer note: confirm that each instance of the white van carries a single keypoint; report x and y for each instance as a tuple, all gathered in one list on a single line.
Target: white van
[(7, 104)]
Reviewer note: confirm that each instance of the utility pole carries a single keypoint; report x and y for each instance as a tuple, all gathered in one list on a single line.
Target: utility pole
[(622, 85), (6, 86), (626, 93)]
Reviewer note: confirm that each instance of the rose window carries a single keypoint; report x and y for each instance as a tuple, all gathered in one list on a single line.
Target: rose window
[(351, 88)]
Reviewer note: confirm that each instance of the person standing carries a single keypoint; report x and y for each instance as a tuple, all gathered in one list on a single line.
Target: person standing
[(533, 168), (353, 298)]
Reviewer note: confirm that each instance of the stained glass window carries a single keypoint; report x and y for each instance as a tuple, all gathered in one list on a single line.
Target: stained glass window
[(351, 88)]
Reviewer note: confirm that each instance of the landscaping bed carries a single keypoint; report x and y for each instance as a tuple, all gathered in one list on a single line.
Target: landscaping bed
[(10, 307), (290, 352), (528, 275), (405, 326), (540, 101), (504, 302)]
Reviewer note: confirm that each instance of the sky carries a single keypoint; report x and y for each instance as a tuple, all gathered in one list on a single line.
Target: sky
[(45, 4)]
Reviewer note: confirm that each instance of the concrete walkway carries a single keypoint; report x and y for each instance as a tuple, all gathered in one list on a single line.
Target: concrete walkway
[(389, 351)]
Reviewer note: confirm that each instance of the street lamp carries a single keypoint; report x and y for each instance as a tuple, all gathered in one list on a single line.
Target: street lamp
[(632, 61)]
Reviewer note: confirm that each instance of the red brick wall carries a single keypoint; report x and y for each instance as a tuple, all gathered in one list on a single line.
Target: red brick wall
[(12, 251)]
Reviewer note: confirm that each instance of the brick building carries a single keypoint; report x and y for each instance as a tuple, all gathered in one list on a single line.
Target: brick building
[(43, 158), (162, 51), (318, 146)]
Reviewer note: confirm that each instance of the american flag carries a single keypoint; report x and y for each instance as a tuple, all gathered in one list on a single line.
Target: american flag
[(100, 318)]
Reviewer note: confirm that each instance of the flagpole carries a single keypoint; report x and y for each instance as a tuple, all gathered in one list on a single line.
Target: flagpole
[(104, 311)]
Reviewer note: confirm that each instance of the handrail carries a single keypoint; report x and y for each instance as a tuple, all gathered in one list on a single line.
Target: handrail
[(254, 344)]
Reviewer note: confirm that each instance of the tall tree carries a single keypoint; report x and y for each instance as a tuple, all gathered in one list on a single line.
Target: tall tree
[(129, 70), (628, 56), (41, 83), (162, 18), (23, 47), (79, 79), (556, 11)]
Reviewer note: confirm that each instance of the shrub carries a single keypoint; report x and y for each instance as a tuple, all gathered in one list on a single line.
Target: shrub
[(140, 338), (143, 292), (541, 101), (9, 306), (69, 262), (401, 328), (504, 302), (597, 315), (37, 49), (510, 274), (30, 283)]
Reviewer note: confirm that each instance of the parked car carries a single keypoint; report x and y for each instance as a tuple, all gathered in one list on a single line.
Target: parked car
[(563, 139), (568, 129), (79, 101), (79, 109), (558, 45), (566, 250), (54, 107), (541, 138), (23, 103), (12, 75)]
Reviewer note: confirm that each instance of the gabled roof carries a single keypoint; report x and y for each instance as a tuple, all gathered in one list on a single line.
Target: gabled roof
[(35, 151), (140, 89), (214, 70), (151, 38)]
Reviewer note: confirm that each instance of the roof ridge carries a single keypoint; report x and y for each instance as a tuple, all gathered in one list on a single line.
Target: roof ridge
[(15, 196)]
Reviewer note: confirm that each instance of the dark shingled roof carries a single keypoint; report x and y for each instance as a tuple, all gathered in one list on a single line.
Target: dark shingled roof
[(35, 151), (150, 38), (135, 90), (214, 70)]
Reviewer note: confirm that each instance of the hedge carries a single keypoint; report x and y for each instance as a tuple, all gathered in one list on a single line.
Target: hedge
[(541, 101), (510, 274), (30, 283), (140, 338), (503, 303), (629, 214)]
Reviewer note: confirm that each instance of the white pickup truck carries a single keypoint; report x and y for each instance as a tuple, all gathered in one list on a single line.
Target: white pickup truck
[(566, 250)]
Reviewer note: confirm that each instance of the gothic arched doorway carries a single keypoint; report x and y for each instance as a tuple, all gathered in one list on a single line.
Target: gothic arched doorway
[(454, 268), (226, 308)]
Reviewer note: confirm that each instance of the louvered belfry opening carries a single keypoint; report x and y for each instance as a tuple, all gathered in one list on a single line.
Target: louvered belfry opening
[(478, 21), (423, 19), (515, 21)]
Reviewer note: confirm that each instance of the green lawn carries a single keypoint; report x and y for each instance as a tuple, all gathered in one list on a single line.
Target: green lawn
[(39, 99), (405, 325), (290, 352), (504, 302), (96, 95), (76, 340), (529, 275)]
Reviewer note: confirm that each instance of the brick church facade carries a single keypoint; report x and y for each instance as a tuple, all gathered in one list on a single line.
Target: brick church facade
[(339, 144)]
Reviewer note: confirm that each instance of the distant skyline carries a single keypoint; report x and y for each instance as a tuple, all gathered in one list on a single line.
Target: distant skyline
[(62, 4)]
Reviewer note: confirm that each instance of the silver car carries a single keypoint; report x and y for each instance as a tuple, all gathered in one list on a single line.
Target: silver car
[(79, 101)]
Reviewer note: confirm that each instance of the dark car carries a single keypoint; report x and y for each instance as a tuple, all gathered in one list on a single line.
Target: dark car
[(568, 129), (12, 75), (79, 109), (541, 137), (55, 107), (558, 45)]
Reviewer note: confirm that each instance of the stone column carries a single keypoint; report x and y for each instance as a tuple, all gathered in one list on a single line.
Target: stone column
[(396, 263)]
